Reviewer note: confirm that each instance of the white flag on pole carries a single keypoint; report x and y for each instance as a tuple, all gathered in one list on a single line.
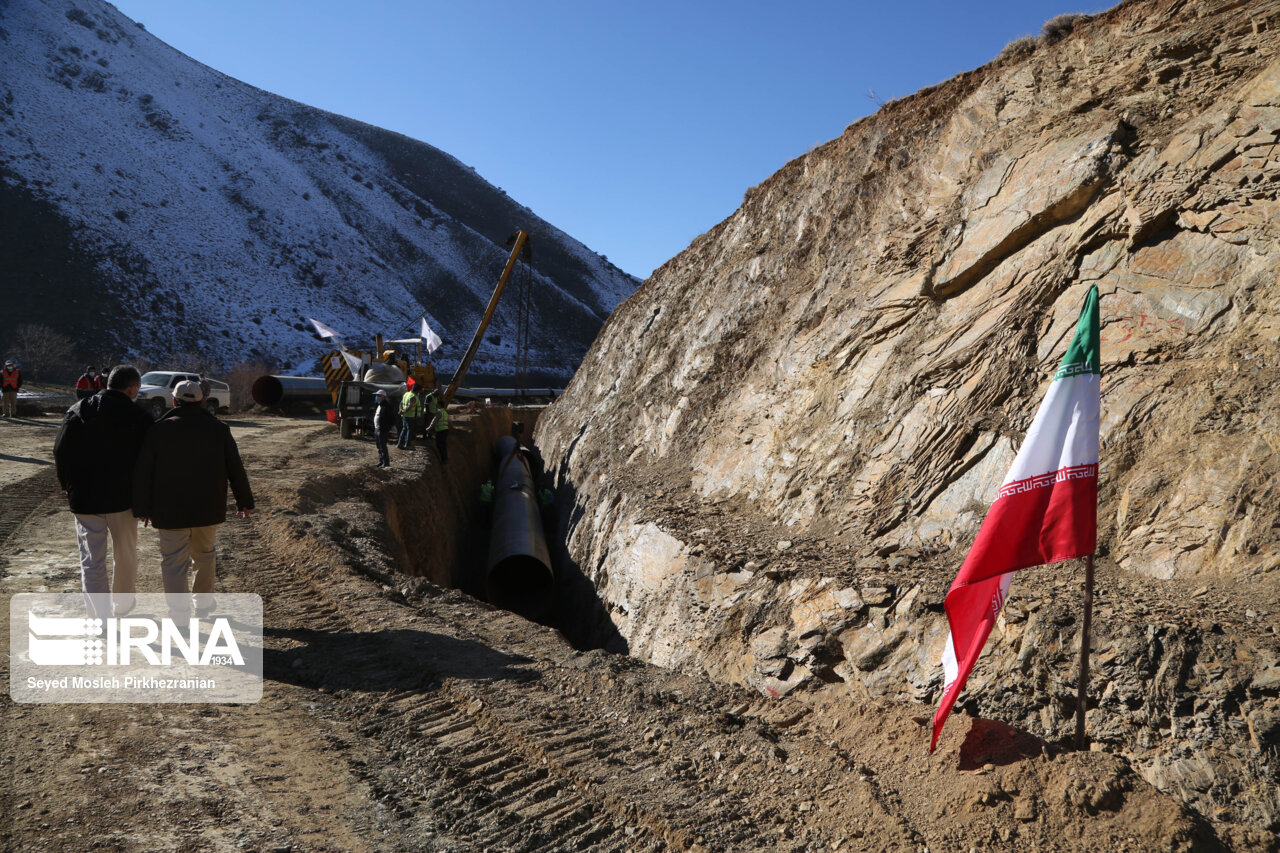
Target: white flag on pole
[(429, 338), (353, 364), (322, 330)]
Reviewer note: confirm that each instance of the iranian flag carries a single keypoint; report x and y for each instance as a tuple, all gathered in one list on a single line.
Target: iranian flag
[(1046, 510)]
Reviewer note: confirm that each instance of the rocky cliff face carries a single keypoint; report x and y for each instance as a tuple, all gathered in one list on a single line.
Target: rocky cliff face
[(779, 449)]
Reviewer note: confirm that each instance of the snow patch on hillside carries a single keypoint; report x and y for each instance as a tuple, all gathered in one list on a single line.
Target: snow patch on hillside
[(251, 212)]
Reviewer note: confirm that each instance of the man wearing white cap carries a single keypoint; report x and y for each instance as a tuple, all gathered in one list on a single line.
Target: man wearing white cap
[(382, 417), (180, 487)]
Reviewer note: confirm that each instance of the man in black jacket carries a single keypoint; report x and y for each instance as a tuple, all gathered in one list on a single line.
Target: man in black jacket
[(180, 487), (95, 453)]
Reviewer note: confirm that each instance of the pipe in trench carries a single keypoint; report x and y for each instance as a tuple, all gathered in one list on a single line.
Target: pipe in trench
[(274, 390), (518, 574)]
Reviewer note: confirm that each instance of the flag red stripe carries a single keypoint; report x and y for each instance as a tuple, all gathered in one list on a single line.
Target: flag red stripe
[(972, 612), (1044, 525), (1053, 522)]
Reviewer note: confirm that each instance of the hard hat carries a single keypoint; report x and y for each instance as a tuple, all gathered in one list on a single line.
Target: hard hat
[(381, 393)]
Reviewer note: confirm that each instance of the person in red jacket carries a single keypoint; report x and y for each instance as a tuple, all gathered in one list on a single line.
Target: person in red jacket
[(10, 382), (87, 384)]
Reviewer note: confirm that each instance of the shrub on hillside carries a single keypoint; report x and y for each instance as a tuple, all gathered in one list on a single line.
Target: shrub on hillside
[(1019, 47), (1058, 26), (46, 354)]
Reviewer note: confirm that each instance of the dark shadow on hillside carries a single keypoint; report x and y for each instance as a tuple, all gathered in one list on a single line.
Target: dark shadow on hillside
[(385, 660), (581, 615)]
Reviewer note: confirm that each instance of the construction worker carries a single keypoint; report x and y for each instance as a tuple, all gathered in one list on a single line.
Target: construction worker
[(486, 500), (547, 509), (442, 434), (382, 416), (430, 408), (424, 400), (410, 411), (10, 382), (87, 384)]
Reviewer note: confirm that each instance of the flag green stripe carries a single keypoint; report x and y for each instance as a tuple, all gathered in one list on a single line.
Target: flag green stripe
[(1085, 353)]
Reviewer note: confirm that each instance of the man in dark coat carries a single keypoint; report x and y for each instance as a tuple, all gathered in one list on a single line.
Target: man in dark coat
[(95, 453), (180, 487)]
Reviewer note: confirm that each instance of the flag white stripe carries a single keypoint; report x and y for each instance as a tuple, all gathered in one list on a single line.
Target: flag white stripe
[(1064, 433)]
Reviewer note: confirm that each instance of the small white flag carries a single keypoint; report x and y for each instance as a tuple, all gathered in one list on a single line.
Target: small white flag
[(353, 364), (429, 338), (322, 330)]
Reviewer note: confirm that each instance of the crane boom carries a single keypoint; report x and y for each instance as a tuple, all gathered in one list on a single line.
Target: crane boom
[(521, 245)]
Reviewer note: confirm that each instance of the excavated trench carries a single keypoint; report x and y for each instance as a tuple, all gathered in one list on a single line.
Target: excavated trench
[(442, 532)]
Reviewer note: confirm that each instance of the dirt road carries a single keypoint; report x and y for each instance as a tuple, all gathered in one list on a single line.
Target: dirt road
[(397, 715)]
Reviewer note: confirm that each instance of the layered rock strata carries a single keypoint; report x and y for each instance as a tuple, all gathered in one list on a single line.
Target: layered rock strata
[(778, 450)]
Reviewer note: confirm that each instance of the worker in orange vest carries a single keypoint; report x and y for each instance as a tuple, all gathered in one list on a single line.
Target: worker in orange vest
[(10, 382), (87, 384)]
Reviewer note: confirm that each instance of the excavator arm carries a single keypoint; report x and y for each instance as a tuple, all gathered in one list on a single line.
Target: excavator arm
[(521, 246)]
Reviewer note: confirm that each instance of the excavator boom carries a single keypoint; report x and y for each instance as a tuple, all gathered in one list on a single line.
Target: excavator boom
[(521, 245)]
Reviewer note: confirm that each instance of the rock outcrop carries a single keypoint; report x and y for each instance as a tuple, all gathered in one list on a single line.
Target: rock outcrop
[(779, 449)]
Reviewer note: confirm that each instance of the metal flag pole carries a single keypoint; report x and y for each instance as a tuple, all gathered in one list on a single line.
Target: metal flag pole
[(1082, 687)]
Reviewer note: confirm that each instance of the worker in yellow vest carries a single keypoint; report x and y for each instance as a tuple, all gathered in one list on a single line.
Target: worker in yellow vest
[(410, 411), (442, 434), (486, 501)]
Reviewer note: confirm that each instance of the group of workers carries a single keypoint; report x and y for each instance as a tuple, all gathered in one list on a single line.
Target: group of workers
[(418, 406), (90, 382)]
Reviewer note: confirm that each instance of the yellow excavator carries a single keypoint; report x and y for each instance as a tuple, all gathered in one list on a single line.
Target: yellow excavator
[(387, 368)]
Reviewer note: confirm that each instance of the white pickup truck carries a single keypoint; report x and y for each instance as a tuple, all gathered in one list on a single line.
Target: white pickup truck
[(156, 395)]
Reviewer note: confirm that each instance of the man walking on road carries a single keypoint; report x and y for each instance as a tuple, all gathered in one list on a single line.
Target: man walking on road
[(10, 382), (180, 487), (95, 454)]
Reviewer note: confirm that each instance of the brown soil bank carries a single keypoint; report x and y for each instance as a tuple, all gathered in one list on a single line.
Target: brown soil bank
[(779, 449)]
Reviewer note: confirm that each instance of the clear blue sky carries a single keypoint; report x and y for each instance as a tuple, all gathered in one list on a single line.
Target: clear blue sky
[(634, 126)]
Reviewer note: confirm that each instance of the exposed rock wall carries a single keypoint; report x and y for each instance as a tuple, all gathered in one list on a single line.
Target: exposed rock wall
[(778, 450)]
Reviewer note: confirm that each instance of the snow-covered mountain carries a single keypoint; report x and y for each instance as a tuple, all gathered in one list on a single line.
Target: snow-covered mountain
[(149, 205)]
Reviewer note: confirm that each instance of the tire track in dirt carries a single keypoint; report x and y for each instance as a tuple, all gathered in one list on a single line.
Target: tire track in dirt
[(453, 772), (18, 503)]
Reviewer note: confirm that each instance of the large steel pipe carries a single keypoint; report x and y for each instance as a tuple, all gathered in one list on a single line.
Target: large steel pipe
[(519, 576), (274, 390)]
